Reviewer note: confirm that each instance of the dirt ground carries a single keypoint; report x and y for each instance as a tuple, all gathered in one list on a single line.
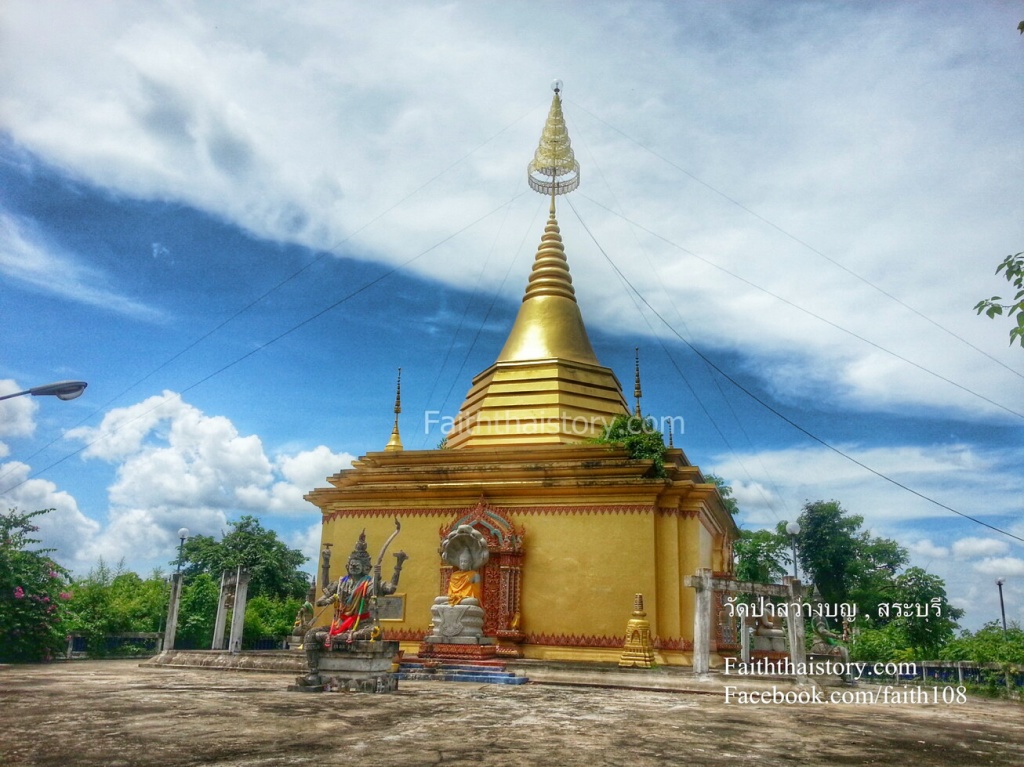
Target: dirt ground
[(113, 713)]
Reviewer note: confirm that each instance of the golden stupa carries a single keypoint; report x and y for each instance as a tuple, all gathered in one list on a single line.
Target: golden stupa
[(575, 528)]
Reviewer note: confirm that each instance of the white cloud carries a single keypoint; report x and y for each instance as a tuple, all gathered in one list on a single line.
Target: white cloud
[(956, 475), (1001, 566), (969, 548), (924, 549), (308, 542), (176, 466), (66, 529), (302, 472), (304, 127), (17, 415), (25, 259)]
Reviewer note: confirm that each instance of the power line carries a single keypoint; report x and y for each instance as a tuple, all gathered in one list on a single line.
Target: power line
[(348, 296), (796, 239), (774, 411), (808, 311)]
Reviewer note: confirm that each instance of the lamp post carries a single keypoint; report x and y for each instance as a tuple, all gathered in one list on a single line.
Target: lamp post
[(182, 536), (793, 528), (61, 390), (1002, 607)]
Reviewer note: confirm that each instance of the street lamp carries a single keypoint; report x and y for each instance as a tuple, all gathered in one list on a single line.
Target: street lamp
[(793, 528), (1002, 607), (182, 535), (61, 390)]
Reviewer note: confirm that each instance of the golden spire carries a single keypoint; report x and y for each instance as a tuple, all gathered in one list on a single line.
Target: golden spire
[(549, 324), (546, 386), (636, 386), (395, 443)]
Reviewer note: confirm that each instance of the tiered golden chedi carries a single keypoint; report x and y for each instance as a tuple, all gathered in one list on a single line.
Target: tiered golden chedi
[(575, 529)]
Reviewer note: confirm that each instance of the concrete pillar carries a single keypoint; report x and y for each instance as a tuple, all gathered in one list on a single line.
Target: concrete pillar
[(795, 625), (222, 609), (744, 640), (702, 621), (238, 612), (172, 613)]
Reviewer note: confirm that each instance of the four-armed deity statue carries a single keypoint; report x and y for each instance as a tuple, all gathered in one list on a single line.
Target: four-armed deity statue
[(350, 652)]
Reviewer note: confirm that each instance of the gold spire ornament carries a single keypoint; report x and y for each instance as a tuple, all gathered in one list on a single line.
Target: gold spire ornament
[(637, 392), (554, 169), (637, 650), (395, 443)]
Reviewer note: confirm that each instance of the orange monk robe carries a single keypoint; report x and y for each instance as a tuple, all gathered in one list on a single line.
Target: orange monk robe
[(464, 584)]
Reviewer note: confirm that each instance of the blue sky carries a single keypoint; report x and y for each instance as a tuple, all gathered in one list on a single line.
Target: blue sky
[(236, 226)]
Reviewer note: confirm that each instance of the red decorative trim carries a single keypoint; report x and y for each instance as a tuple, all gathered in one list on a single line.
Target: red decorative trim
[(573, 640), (405, 635), (576, 509), (360, 513), (673, 643), (458, 651)]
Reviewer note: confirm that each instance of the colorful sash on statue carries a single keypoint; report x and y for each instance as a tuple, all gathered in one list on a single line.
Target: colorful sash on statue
[(349, 614)]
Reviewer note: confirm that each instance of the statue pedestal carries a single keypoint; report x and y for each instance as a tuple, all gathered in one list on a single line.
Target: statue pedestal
[(480, 648), (458, 632), (359, 666)]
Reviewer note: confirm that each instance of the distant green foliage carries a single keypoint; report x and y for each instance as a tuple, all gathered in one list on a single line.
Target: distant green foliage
[(197, 611), (885, 644), (266, 617), (1013, 269), (989, 644), (112, 602), (641, 440), (33, 593)]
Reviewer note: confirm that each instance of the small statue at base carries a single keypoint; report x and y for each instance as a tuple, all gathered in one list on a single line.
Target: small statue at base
[(827, 642), (354, 599), (767, 637), (304, 617)]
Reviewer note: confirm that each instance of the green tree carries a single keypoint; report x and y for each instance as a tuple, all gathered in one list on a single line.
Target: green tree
[(641, 440), (273, 567), (1013, 269), (33, 592), (925, 634), (725, 491), (760, 555), (845, 563)]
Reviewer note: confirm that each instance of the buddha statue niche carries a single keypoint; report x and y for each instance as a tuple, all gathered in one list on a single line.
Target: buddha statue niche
[(458, 617)]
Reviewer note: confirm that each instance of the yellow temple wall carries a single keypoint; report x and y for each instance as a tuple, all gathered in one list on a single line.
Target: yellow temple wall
[(580, 572)]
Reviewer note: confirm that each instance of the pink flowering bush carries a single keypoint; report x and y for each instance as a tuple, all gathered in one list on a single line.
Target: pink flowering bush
[(31, 593)]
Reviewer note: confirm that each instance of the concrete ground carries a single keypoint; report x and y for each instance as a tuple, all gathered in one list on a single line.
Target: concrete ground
[(113, 713)]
